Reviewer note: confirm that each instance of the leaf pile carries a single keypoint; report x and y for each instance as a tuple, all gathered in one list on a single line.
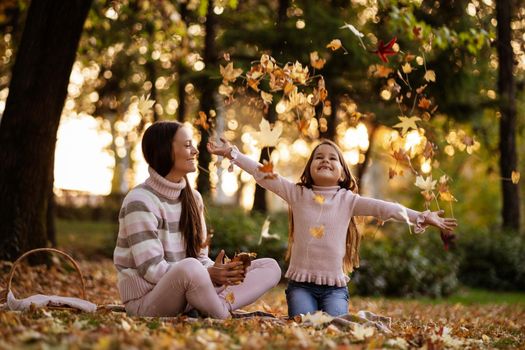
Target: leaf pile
[(415, 324)]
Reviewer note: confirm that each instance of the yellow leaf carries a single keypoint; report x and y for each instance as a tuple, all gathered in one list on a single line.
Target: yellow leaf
[(230, 298), (447, 197), (225, 90), (319, 199), (268, 137), (407, 123), (316, 319), (430, 75), (515, 177), (317, 231), (267, 98), (229, 73), (144, 105), (315, 61), (407, 68), (334, 44), (425, 184), (362, 332)]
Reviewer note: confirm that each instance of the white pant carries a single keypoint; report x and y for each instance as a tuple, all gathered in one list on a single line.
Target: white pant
[(187, 284)]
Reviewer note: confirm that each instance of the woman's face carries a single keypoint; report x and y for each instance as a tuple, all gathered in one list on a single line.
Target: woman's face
[(326, 168), (184, 153)]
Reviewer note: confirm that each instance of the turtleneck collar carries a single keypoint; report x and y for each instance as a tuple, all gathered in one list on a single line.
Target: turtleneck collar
[(326, 188), (168, 189)]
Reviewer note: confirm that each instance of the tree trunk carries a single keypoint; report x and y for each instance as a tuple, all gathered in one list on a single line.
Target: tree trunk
[(259, 200), (29, 125), (207, 87), (507, 105)]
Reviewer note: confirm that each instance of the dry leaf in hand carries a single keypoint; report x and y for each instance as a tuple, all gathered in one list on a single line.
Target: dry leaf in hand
[(230, 298)]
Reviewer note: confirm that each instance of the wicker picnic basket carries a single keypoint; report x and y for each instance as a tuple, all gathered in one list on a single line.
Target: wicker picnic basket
[(50, 250)]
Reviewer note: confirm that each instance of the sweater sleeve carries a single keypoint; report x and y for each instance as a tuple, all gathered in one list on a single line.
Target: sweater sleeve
[(364, 206), (282, 187), (203, 252), (141, 233)]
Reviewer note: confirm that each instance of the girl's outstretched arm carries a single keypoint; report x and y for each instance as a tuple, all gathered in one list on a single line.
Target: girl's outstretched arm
[(271, 181), (363, 206)]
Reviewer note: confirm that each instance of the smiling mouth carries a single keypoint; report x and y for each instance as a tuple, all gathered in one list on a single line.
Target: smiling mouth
[(324, 168)]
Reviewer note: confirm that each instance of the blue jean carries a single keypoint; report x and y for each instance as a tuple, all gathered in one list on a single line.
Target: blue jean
[(305, 297)]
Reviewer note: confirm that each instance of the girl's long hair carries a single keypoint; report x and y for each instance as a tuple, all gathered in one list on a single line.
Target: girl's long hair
[(353, 237), (157, 147)]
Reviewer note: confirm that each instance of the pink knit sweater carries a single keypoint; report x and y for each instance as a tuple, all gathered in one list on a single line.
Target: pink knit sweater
[(149, 240), (318, 256)]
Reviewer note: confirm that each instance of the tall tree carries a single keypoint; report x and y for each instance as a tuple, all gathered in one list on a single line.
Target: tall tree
[(28, 128), (507, 105), (208, 88)]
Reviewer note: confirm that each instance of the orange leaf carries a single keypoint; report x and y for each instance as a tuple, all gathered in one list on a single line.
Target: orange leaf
[(317, 231), (230, 298), (334, 44), (302, 126), (424, 103), (267, 168), (202, 121)]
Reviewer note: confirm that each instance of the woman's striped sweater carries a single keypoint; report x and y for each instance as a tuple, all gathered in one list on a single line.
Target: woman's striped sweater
[(149, 239)]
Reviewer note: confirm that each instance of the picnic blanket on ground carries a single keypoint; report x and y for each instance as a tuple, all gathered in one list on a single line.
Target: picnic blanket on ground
[(40, 300)]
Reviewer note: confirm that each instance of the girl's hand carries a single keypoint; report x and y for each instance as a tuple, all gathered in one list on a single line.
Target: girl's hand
[(220, 150), (444, 224), (228, 274)]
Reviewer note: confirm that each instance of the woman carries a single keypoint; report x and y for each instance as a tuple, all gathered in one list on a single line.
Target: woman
[(161, 257)]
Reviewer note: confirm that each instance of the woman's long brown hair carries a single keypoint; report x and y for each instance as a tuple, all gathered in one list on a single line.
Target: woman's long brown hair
[(157, 147), (353, 237)]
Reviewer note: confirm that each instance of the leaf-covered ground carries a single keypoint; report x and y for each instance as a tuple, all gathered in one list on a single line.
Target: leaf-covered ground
[(415, 324)]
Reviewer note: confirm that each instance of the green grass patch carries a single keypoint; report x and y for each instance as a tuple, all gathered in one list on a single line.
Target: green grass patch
[(87, 237)]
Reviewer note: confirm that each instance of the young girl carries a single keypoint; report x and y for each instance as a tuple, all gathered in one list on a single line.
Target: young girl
[(324, 242), (162, 261)]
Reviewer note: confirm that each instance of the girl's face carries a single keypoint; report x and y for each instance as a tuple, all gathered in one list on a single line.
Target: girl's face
[(326, 168), (184, 153)]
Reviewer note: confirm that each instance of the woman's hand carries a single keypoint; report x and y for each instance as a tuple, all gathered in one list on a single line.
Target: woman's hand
[(228, 274), (222, 150)]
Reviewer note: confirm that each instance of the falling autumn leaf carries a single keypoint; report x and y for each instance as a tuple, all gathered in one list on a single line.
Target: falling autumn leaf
[(315, 61), (407, 123), (266, 97), (202, 121), (430, 75), (380, 71), (446, 196), (317, 231), (426, 184), (265, 232), (416, 31), (448, 239), (267, 169), (229, 74), (267, 136), (302, 126), (144, 105), (335, 44), (383, 51), (225, 90), (424, 103), (407, 68), (515, 177)]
